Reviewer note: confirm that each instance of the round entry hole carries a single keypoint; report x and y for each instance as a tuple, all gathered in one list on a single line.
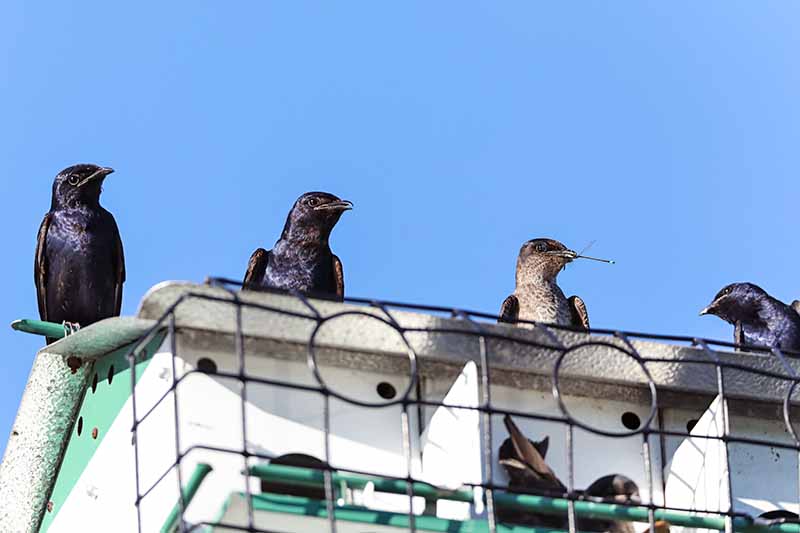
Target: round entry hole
[(386, 390), (631, 421), (206, 365)]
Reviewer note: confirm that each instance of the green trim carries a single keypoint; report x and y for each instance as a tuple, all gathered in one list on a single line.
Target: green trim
[(99, 410), (309, 477), (196, 479), (39, 327), (542, 504), (282, 503)]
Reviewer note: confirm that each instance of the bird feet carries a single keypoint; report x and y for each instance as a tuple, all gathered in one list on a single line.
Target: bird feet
[(70, 327)]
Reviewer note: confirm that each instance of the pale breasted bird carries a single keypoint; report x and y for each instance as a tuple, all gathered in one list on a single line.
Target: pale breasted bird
[(758, 318), (537, 297), (302, 260), (79, 267)]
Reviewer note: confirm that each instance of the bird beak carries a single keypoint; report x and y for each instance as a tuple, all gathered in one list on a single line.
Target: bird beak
[(338, 205), (712, 307), (98, 174), (569, 255)]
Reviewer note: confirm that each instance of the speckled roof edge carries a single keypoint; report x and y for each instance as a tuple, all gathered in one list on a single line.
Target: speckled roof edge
[(47, 414)]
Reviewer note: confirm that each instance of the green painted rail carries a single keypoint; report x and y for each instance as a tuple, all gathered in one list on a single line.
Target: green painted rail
[(40, 327), (315, 478), (196, 479)]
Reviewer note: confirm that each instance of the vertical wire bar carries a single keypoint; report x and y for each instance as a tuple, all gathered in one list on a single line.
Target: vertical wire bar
[(488, 411), (571, 518), (648, 473), (135, 437), (405, 423), (725, 429), (327, 476), (788, 406), (412, 519), (178, 458), (647, 451), (239, 341)]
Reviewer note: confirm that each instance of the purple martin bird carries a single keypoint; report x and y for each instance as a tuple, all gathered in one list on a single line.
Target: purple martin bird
[(758, 318), (302, 260), (79, 267), (537, 297), (614, 488), (523, 461)]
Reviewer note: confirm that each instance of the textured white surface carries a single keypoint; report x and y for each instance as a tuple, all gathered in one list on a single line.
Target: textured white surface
[(46, 416)]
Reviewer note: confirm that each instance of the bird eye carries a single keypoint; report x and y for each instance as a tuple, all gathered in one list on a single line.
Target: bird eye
[(541, 247), (73, 180), (312, 202)]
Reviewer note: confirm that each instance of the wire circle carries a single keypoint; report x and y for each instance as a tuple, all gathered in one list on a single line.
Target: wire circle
[(572, 420), (314, 365), (787, 413)]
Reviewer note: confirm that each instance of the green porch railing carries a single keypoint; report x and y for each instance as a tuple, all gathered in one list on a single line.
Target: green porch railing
[(314, 478), (195, 480), (40, 327)]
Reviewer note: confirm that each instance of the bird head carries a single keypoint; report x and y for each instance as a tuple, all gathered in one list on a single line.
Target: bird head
[(615, 487), (546, 257), (315, 212), (737, 302), (79, 185)]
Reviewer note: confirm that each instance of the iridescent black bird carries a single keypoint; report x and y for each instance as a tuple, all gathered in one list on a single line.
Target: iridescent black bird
[(758, 318), (614, 488), (537, 297), (302, 259), (80, 266)]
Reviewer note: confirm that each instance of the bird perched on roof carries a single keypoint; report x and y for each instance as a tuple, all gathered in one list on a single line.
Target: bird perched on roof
[(537, 297), (523, 461), (79, 267), (758, 318), (302, 260)]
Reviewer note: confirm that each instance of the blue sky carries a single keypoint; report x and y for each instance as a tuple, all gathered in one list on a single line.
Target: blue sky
[(666, 132)]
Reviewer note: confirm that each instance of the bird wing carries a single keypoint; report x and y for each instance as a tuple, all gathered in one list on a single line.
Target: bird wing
[(256, 269), (509, 311), (528, 454), (338, 276), (577, 309), (119, 270), (796, 306), (40, 266)]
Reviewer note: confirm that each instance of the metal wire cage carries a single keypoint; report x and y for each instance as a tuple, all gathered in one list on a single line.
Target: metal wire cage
[(323, 489)]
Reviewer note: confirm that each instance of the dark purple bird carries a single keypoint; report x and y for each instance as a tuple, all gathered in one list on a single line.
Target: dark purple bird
[(302, 259), (80, 266), (758, 318)]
